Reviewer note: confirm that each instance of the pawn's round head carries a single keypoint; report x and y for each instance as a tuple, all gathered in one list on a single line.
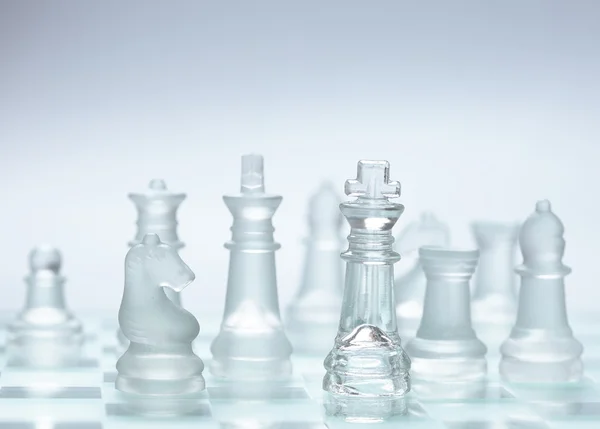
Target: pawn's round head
[(45, 258), (157, 185), (541, 237)]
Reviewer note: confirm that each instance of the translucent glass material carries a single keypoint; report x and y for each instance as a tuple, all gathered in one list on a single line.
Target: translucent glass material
[(252, 343), (410, 286), (314, 312), (159, 359), (45, 333), (367, 358), (494, 294), (541, 346), (446, 347)]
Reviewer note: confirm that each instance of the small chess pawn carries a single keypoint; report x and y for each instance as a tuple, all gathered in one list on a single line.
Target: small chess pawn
[(45, 333), (541, 346), (314, 313), (159, 359)]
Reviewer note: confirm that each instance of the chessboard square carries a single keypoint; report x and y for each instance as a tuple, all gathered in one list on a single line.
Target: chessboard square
[(486, 424), (197, 411), (553, 411), (567, 392), (44, 424), (282, 393), (293, 411), (53, 410), (481, 411), (109, 376), (56, 393), (64, 377)]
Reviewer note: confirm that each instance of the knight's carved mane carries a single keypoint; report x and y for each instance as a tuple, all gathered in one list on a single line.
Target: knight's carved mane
[(140, 253)]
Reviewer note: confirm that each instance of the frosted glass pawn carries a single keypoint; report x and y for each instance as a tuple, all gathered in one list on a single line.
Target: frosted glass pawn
[(159, 359), (541, 346), (410, 286), (494, 299), (314, 312), (446, 348), (252, 344), (367, 359), (45, 333)]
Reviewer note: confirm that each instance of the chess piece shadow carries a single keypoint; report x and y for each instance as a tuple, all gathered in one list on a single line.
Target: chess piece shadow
[(159, 360)]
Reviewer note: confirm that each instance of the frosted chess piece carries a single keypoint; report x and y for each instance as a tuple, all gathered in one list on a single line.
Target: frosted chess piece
[(45, 333), (367, 359), (410, 286), (314, 313), (446, 348), (157, 213), (159, 359), (494, 299), (541, 347), (252, 344)]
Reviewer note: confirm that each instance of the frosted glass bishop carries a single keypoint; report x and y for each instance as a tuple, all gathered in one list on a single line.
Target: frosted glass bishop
[(541, 346), (367, 358), (251, 343)]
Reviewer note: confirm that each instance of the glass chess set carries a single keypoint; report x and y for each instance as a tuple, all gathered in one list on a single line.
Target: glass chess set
[(466, 338)]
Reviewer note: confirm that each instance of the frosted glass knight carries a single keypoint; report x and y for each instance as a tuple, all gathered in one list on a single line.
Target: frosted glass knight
[(159, 359)]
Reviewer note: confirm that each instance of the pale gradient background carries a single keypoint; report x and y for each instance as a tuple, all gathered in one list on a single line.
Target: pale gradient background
[(481, 108)]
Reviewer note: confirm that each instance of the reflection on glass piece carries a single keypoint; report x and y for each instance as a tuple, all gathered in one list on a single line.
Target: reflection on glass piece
[(367, 359), (159, 359)]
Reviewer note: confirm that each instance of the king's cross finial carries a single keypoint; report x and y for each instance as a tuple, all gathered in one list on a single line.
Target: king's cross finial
[(372, 181), (252, 174)]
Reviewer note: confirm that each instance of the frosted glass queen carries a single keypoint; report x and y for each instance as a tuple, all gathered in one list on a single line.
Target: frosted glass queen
[(367, 358)]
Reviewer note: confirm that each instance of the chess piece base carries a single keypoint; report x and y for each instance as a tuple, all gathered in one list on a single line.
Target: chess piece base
[(367, 363)]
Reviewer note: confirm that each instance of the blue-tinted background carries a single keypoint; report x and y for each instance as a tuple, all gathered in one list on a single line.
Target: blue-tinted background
[(482, 108)]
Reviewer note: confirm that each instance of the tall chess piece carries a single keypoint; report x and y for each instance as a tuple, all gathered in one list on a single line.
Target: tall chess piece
[(494, 297), (446, 348), (314, 313), (410, 287), (159, 359), (541, 347), (367, 359), (252, 343), (157, 213), (45, 333)]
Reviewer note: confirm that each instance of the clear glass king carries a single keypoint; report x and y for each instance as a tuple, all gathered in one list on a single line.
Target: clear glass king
[(367, 358)]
